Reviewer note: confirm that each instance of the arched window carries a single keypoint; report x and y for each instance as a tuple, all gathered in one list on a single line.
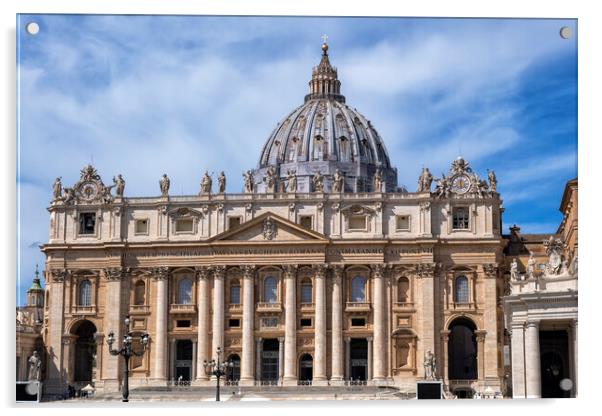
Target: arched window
[(139, 293), (233, 373), (85, 293), (461, 289), (185, 292), (306, 291), (270, 294), (358, 289), (235, 293), (403, 290)]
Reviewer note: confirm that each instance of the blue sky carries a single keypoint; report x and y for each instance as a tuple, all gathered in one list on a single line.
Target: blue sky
[(143, 95)]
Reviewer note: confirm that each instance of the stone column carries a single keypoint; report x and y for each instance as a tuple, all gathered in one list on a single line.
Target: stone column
[(248, 326), (54, 377), (280, 359), (347, 358), (378, 355), (518, 360), (172, 360), (258, 359), (444, 360), (337, 327), (370, 358), (194, 360), (203, 354), (425, 273), (218, 310), (480, 335), (490, 323), (319, 377), (532, 360), (159, 374), (290, 326), (574, 347), (113, 322)]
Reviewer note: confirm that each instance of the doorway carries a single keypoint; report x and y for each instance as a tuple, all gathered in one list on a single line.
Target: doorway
[(269, 360), (233, 373), (462, 350), (554, 350), (359, 359), (306, 368), (183, 364), (85, 351)]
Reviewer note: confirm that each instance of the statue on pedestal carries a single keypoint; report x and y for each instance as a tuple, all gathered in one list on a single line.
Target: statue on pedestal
[(425, 180), (248, 175), (492, 180), (206, 183), (514, 270), (430, 365), (57, 189), (531, 267), (378, 180), (270, 180), (292, 181), (221, 182), (34, 366), (337, 181), (164, 185), (318, 181), (119, 185)]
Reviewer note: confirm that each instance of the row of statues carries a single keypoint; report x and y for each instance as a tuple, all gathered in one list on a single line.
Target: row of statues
[(105, 191)]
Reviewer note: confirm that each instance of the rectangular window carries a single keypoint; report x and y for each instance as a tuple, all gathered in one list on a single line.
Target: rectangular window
[(184, 225), (460, 218), (358, 322), (234, 323), (305, 323), (235, 295), (402, 223), (183, 323), (141, 227), (233, 222), (357, 222), (87, 223), (305, 221)]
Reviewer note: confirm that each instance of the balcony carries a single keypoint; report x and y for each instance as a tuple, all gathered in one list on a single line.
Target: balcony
[(403, 306), (83, 310), (269, 307), (307, 307), (235, 308), (463, 306), (139, 309), (357, 307), (182, 308)]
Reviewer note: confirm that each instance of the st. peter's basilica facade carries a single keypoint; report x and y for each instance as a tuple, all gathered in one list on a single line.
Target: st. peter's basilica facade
[(323, 271)]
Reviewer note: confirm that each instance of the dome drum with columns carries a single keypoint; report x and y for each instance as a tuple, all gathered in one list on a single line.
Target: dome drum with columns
[(324, 134)]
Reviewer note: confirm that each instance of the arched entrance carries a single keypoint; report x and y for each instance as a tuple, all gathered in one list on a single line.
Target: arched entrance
[(462, 350), (306, 368), (84, 352), (359, 359), (233, 373), (183, 362)]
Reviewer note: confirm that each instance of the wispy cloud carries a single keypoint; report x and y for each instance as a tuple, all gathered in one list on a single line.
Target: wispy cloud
[(144, 95)]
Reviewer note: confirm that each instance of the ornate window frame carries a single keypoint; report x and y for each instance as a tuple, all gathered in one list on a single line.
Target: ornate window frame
[(139, 219), (184, 213), (357, 210)]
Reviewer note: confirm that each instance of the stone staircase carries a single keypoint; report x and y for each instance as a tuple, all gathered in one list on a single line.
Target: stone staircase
[(258, 393)]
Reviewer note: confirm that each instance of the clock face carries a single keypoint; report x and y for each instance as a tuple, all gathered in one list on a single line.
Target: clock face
[(88, 190), (461, 184)]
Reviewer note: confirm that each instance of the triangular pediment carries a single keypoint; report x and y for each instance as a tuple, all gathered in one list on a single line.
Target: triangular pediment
[(267, 228)]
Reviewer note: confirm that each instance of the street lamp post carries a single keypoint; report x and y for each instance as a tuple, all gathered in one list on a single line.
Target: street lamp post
[(217, 368), (127, 351)]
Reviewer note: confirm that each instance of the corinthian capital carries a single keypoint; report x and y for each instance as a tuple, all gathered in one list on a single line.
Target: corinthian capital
[(290, 270), (58, 275), (490, 270), (319, 269), (114, 273), (219, 272), (160, 273), (202, 272), (248, 271), (378, 270)]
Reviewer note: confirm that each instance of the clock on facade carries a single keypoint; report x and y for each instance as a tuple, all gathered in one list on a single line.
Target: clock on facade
[(461, 184), (88, 190)]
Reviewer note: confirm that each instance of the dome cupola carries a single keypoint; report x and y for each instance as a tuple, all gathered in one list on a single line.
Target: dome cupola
[(325, 135)]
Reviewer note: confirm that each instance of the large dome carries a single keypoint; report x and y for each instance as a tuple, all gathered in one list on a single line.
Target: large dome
[(324, 134)]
